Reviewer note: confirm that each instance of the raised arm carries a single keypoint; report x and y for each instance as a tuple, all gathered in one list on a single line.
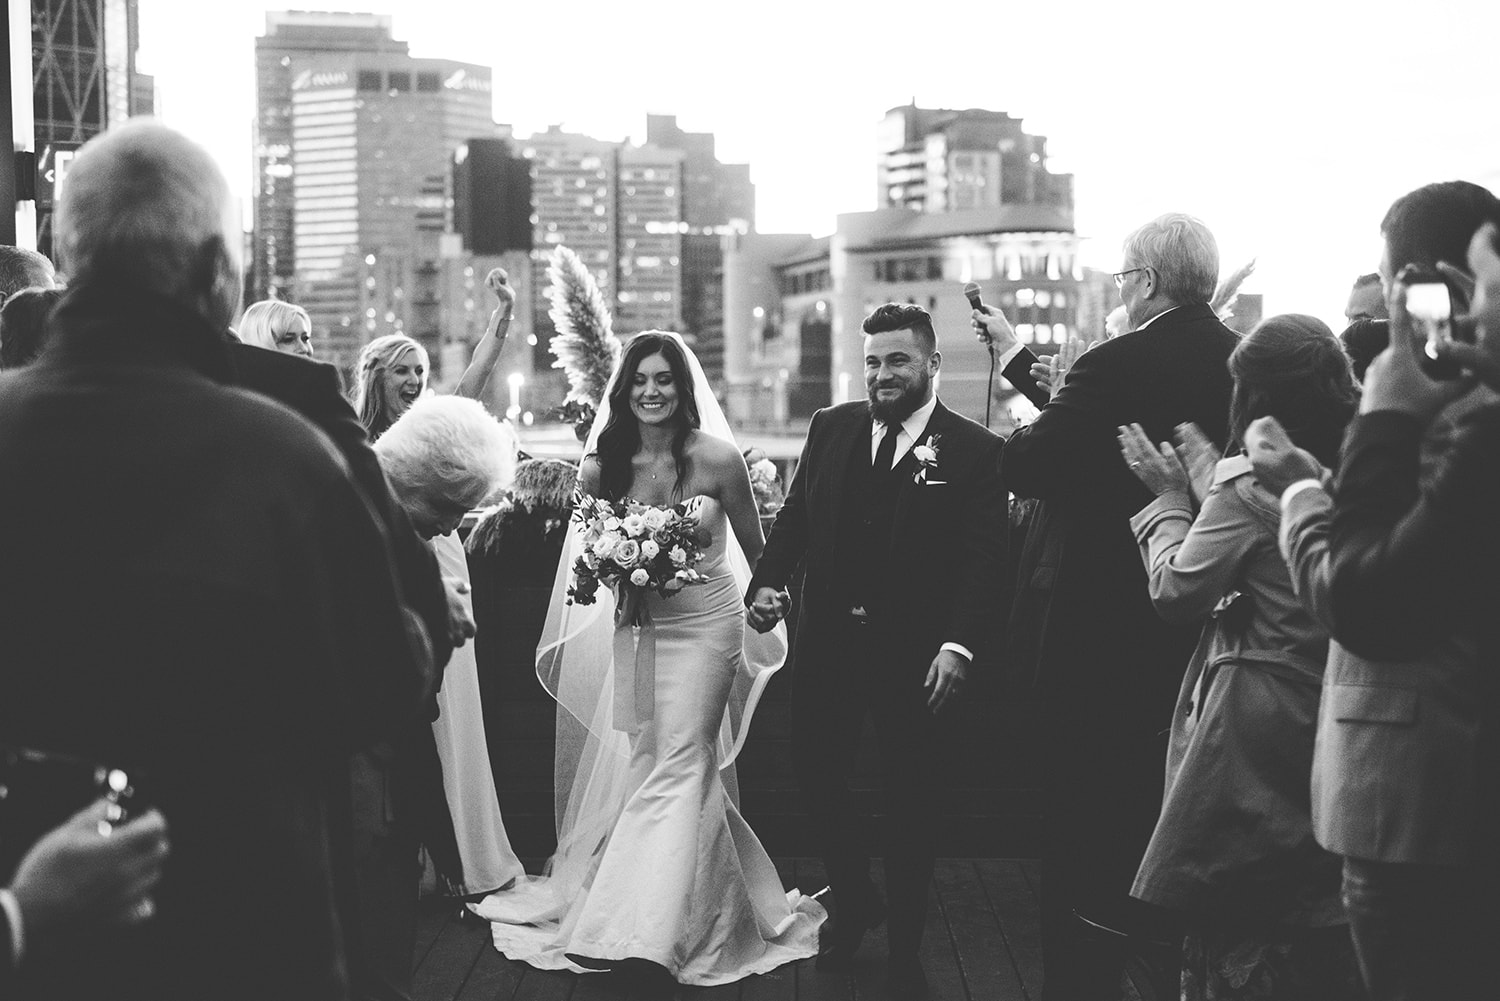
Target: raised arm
[(487, 351)]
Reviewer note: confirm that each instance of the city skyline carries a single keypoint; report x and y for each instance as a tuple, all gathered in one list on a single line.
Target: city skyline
[(1288, 143)]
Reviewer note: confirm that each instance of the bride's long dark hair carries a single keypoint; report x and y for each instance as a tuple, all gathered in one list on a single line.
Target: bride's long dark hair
[(621, 437)]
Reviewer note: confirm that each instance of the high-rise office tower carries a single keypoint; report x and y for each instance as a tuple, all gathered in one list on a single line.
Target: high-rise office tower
[(370, 135), (83, 81), (294, 40), (717, 199), (619, 208), (937, 160)]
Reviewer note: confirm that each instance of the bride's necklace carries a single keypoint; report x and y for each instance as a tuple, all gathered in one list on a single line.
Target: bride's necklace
[(658, 465)]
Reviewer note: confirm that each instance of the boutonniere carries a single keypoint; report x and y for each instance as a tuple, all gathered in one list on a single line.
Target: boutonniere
[(927, 458)]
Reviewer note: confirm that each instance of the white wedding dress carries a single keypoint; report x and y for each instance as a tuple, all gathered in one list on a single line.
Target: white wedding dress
[(468, 782), (655, 861)]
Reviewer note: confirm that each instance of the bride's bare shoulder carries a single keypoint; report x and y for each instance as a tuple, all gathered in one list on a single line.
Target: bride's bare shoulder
[(588, 474), (710, 452)]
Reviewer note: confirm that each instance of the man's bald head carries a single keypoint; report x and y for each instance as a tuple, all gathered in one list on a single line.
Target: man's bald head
[(147, 207)]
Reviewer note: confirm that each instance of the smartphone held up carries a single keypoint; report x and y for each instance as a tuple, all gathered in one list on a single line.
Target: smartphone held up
[(1429, 303)]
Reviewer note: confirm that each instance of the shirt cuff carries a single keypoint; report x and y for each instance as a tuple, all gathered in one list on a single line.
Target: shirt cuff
[(12, 908), (1009, 356), (961, 650), (1297, 488)]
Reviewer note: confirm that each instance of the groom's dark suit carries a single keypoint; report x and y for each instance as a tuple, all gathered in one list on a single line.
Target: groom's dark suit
[(923, 560)]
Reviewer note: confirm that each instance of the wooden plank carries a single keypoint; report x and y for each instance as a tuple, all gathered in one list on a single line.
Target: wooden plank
[(974, 930), (546, 985), (493, 978), (447, 964), (433, 915), (1012, 892), (939, 955)]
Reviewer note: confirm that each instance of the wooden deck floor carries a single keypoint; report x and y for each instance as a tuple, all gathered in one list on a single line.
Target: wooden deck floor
[(983, 943)]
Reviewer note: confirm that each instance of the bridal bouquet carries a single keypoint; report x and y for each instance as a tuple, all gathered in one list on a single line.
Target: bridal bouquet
[(630, 545)]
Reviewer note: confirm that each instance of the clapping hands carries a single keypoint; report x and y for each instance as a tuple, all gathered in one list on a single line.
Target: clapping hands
[(1278, 463), (1188, 466), (1050, 372)]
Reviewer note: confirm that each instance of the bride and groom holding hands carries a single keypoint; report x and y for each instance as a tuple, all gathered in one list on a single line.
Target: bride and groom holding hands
[(896, 515)]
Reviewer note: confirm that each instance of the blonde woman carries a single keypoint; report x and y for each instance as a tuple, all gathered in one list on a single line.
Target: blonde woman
[(277, 326)]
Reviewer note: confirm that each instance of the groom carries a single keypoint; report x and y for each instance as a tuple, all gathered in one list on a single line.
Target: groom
[(898, 515)]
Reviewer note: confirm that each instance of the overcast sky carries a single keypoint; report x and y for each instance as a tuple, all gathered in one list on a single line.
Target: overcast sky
[(1287, 126)]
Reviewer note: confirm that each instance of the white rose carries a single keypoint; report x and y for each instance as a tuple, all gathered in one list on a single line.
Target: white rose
[(627, 553), (649, 549), (634, 525), (678, 556), (924, 454), (655, 518), (640, 578), (765, 469), (605, 544), (612, 524)]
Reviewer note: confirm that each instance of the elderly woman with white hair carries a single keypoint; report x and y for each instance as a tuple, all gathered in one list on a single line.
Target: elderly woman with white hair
[(277, 326), (445, 456)]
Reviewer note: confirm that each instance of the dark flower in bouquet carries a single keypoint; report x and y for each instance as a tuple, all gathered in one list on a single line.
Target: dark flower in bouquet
[(579, 414), (632, 546)]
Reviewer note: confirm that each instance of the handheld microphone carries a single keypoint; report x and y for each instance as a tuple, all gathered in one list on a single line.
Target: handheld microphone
[(971, 291)]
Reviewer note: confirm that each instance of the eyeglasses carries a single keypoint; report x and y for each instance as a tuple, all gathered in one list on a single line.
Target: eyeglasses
[(1119, 276)]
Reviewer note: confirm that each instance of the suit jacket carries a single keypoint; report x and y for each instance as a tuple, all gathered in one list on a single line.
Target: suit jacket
[(196, 591), (1394, 767), (947, 545), (311, 388), (1101, 639), (1414, 560)]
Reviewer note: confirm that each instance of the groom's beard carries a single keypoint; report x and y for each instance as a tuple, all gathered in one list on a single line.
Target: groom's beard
[(896, 410)]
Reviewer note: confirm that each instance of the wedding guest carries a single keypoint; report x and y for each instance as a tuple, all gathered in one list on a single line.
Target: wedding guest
[(444, 457), (231, 640), (1261, 898), (391, 372), (21, 268), (277, 326), (1366, 299), (1108, 666), (899, 597), (513, 555), (23, 324), (1412, 549)]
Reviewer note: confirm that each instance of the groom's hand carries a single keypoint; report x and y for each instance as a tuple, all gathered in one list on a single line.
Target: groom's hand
[(767, 607), (945, 679)]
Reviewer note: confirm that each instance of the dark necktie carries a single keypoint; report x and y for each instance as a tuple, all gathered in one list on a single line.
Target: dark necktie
[(885, 455)]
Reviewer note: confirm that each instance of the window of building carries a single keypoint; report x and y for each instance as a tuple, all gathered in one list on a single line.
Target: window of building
[(429, 83), (1025, 332), (400, 80), (369, 80)]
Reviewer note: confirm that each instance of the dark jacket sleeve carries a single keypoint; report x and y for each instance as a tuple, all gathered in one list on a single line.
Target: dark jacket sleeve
[(1070, 451), (972, 622), (1409, 561), (416, 566), (376, 663), (787, 543), (1018, 374)]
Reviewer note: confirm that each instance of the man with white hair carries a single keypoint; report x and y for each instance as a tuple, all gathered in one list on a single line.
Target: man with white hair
[(1108, 667), (23, 268), (444, 456), (195, 591)]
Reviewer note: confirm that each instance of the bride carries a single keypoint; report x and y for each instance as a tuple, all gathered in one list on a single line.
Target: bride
[(656, 873)]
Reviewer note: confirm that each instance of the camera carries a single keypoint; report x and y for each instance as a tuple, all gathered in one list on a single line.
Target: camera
[(1429, 303)]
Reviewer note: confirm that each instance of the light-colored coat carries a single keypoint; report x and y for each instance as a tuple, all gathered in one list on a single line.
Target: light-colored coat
[(1394, 763)]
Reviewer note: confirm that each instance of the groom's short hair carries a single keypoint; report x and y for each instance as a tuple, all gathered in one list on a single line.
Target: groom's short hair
[(903, 316)]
